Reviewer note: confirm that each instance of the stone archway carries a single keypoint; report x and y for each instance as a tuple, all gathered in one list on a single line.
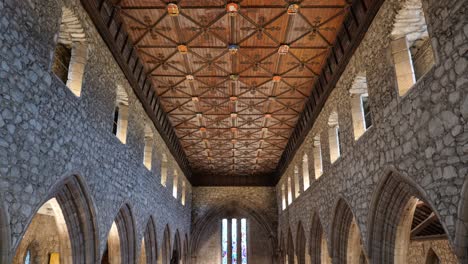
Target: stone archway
[(300, 244), (149, 249), (68, 213), (318, 245), (345, 238), (401, 218), (121, 241)]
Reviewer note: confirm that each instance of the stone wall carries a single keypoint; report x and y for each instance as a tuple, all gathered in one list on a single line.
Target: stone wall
[(418, 252), (47, 134), (420, 138), (212, 204), (41, 239)]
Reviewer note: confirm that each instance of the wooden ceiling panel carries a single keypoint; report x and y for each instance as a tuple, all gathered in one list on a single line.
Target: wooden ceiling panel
[(232, 85)]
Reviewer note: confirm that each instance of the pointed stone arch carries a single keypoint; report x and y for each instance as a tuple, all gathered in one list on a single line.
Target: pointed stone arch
[(391, 225), (345, 236), (300, 244), (461, 231), (166, 249), (121, 240), (4, 235), (290, 249), (150, 247), (75, 218), (318, 245), (432, 258), (176, 249)]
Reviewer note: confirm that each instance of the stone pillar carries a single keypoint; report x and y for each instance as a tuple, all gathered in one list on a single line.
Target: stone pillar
[(79, 54), (229, 235), (403, 65)]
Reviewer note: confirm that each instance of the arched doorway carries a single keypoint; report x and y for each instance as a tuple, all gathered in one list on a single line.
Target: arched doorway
[(62, 229)]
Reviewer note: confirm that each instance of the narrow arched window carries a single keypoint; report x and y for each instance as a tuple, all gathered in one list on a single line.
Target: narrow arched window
[(411, 47), (164, 170), (283, 196), (317, 148), (148, 149), (290, 196), (360, 109), (305, 171), (27, 257), (175, 184), (70, 53), (121, 115), (297, 187), (184, 190), (334, 137)]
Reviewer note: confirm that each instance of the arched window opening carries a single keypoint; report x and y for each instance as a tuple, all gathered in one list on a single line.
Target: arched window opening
[(290, 196), (334, 137), (27, 257), (360, 109), (317, 157), (355, 252), (148, 150), (121, 115), (112, 253), (164, 166), (49, 232), (175, 184), (70, 53), (297, 188), (184, 190), (305, 171), (411, 47), (283, 196)]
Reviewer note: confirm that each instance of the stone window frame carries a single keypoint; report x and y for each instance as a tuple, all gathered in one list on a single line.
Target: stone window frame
[(283, 197), (305, 172), (290, 194), (358, 90), (164, 169), (72, 35), (297, 188), (148, 146), (175, 183), (318, 158), (403, 49), (121, 114), (334, 142)]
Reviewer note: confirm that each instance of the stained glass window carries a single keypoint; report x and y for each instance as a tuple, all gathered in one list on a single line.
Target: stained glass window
[(244, 240), (224, 238), (234, 241), (237, 251), (27, 258)]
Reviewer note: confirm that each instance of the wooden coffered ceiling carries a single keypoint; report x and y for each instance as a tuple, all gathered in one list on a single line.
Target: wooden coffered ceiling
[(233, 94)]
